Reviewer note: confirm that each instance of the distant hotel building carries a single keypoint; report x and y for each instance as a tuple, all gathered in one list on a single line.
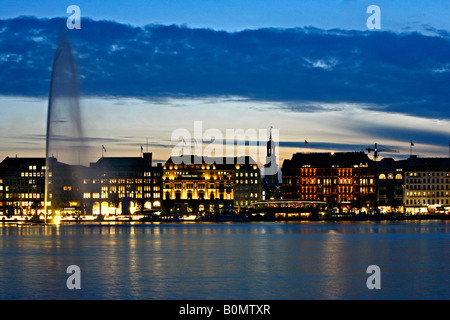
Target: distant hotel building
[(427, 185), (415, 185), (346, 181), (22, 186), (200, 186), (122, 185)]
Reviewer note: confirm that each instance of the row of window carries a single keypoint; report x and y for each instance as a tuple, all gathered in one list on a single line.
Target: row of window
[(32, 174), (138, 195), (24, 195), (191, 166), (424, 180), (428, 174), (203, 186), (21, 183), (244, 202), (343, 172), (246, 195), (246, 174), (361, 181), (427, 187), (340, 190), (427, 201), (427, 194), (398, 176), (154, 174), (201, 196), (32, 168), (121, 181)]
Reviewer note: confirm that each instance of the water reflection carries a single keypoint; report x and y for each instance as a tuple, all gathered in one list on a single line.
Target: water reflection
[(225, 260)]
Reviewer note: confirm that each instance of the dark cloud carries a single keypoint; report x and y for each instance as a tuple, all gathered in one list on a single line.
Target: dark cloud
[(408, 72), (313, 145)]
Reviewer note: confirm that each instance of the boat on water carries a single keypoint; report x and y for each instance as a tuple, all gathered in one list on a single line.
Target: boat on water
[(227, 213), (222, 217), (159, 216)]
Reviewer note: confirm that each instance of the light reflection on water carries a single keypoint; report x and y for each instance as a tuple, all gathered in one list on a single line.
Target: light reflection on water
[(314, 260)]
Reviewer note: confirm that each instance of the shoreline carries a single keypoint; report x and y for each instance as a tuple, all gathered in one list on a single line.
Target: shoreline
[(130, 220)]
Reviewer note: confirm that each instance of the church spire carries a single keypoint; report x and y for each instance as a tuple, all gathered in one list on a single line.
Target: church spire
[(270, 145)]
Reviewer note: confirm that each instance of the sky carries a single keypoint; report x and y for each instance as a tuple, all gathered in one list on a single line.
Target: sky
[(312, 70), (235, 15)]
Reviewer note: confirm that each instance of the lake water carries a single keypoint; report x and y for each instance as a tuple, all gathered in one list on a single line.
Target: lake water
[(245, 261)]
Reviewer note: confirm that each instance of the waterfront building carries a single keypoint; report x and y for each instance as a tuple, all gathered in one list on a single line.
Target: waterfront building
[(122, 185), (390, 185), (200, 185), (22, 186), (247, 184), (346, 181), (427, 185), (65, 188)]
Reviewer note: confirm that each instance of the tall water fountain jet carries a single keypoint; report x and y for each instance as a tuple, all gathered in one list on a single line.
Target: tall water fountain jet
[(65, 147)]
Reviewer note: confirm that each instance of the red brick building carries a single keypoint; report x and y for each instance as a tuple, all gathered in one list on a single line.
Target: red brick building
[(346, 181)]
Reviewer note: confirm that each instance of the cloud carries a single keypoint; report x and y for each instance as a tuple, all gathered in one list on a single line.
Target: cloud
[(326, 64), (403, 72)]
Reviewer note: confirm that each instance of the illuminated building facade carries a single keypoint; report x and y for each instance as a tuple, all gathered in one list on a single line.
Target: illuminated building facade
[(247, 185), (203, 185), (22, 186), (427, 185), (122, 185), (346, 181), (111, 186)]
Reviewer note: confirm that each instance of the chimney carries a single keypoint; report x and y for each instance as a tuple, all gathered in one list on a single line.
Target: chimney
[(148, 157)]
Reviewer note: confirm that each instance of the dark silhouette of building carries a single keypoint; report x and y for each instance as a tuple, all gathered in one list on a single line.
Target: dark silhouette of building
[(65, 188), (390, 184), (271, 183)]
